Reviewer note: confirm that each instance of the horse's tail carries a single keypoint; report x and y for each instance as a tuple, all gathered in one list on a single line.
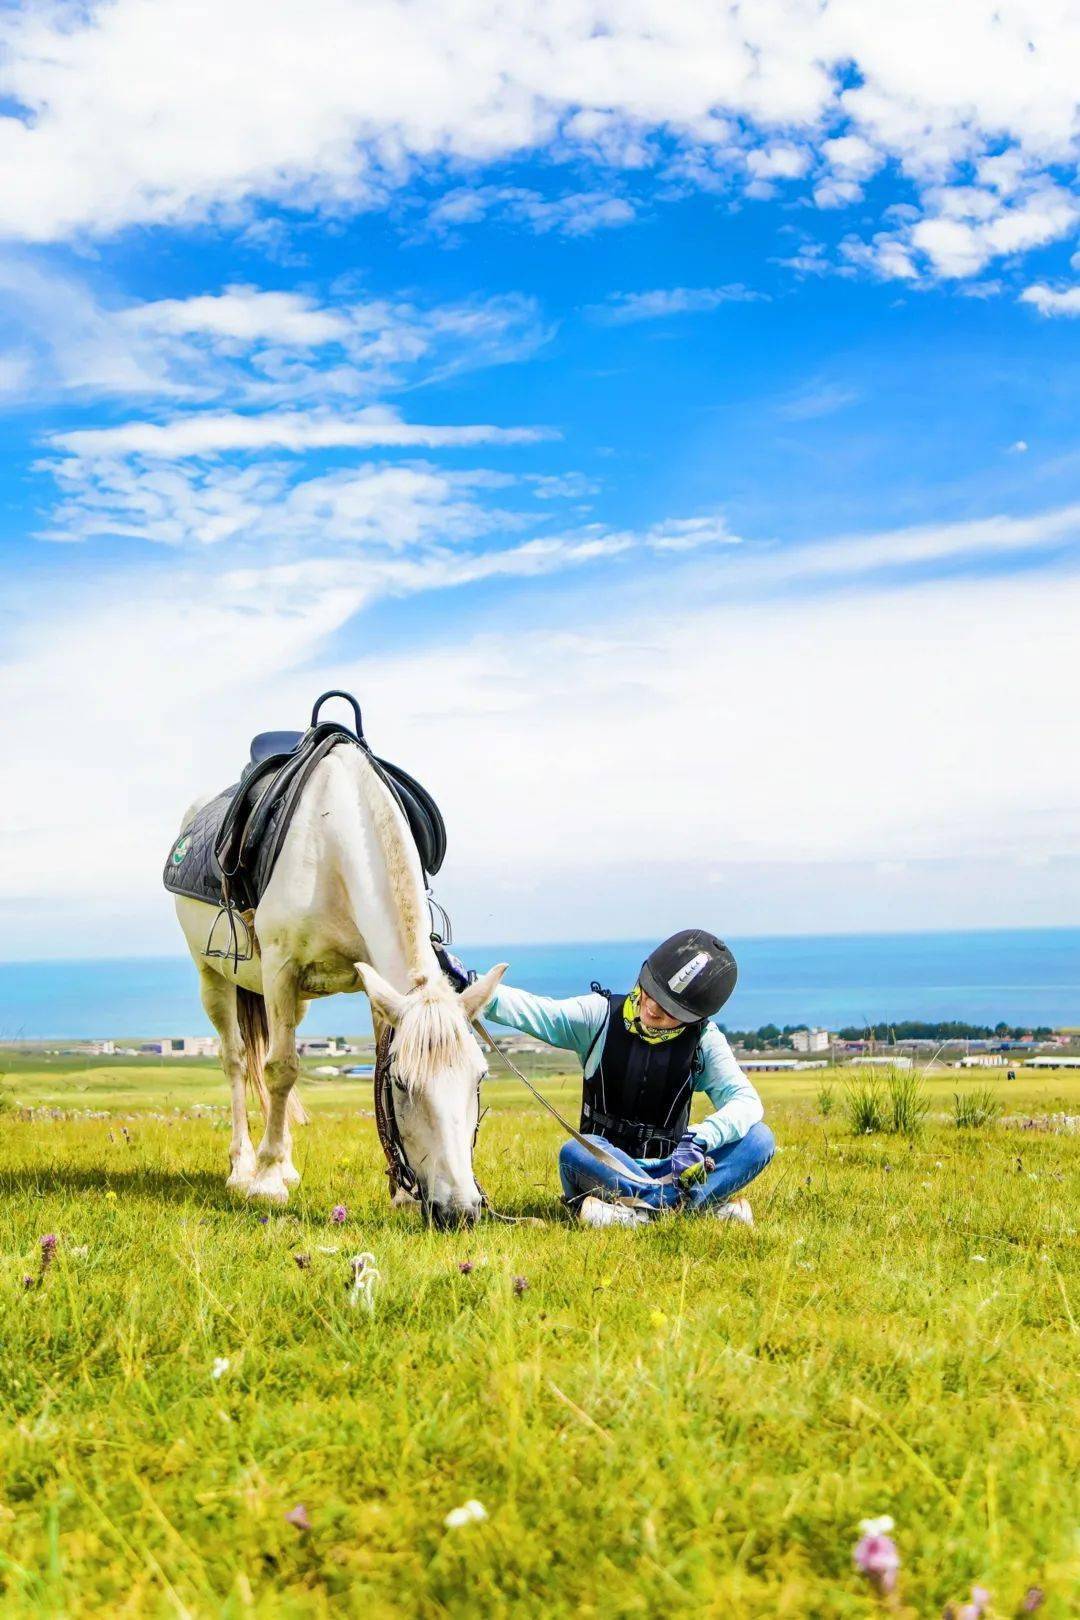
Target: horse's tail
[(251, 1016)]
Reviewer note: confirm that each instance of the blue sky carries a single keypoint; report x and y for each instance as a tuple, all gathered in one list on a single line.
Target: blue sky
[(674, 409)]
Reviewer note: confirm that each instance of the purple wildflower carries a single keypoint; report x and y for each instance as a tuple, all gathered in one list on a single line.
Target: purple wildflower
[(48, 1248), (1034, 1598), (520, 1285), (339, 1214), (298, 1517), (28, 1281), (876, 1555), (974, 1610), (465, 1266)]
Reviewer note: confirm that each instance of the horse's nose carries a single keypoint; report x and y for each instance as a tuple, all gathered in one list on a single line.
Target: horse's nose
[(446, 1216)]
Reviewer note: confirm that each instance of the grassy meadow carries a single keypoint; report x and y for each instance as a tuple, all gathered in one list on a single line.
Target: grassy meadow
[(685, 1417)]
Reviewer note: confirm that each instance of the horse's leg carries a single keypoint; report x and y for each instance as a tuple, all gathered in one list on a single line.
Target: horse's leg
[(289, 1171), (219, 1001), (282, 1068)]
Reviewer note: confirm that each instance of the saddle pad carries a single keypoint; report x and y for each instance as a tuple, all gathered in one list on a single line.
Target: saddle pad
[(192, 867)]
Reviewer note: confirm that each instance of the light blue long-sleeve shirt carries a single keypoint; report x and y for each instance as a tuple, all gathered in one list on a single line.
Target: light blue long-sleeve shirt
[(574, 1025)]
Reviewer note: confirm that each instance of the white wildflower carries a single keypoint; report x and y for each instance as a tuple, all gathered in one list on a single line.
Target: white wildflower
[(882, 1526), (978, 1259), (471, 1512), (220, 1367), (365, 1274)]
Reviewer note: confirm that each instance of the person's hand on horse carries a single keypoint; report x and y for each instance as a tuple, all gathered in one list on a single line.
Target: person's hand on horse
[(459, 975), (688, 1161)]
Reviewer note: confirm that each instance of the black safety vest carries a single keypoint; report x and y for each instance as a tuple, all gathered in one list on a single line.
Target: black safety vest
[(638, 1097)]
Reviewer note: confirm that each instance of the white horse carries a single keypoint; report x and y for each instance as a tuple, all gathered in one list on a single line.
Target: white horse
[(345, 910)]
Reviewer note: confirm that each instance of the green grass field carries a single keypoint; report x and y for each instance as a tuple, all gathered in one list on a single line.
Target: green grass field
[(690, 1417)]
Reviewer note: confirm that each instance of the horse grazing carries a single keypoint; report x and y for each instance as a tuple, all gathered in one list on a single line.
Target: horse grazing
[(345, 909)]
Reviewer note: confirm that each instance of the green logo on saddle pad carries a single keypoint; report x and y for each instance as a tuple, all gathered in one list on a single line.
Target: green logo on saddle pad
[(181, 850)]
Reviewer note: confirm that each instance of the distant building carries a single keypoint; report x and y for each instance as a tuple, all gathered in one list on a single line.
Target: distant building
[(894, 1060), (325, 1046), (766, 1064), (810, 1040), (183, 1046), (1052, 1063), (103, 1048), (982, 1060)]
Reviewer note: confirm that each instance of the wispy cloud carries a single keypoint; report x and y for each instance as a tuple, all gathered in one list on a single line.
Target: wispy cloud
[(575, 213), (247, 344), (819, 399), (207, 434), (660, 302)]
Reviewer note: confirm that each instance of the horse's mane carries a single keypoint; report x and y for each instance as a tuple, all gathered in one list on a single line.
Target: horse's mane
[(428, 1035)]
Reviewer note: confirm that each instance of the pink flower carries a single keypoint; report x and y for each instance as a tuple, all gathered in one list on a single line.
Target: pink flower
[(339, 1214), (974, 1610), (465, 1266), (1034, 1598), (520, 1285), (876, 1555), (298, 1517)]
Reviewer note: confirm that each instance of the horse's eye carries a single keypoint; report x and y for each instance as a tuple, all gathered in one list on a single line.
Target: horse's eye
[(399, 1085)]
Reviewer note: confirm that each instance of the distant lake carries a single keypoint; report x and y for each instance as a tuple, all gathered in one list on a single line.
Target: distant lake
[(1024, 976)]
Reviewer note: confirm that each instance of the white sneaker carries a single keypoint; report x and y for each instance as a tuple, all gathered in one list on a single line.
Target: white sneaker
[(597, 1212), (737, 1209)]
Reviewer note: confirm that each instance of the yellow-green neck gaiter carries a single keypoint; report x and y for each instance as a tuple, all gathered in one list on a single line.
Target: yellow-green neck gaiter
[(632, 1019)]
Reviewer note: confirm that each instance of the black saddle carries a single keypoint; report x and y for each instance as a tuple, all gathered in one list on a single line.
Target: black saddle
[(227, 854)]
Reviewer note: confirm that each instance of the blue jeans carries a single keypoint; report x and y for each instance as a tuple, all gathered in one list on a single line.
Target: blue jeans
[(737, 1164)]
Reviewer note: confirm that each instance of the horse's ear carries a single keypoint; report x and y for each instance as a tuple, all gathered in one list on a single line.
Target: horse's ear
[(385, 1000), (475, 997)]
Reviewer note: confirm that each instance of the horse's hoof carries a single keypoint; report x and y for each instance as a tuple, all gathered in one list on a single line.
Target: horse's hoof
[(290, 1175), (269, 1187), (242, 1173)]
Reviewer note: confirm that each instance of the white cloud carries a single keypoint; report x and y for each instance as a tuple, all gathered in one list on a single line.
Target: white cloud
[(1052, 300), (207, 434), (966, 229), (837, 193), (780, 162), (660, 302), (786, 834), (851, 156), (687, 534), (245, 315), (118, 117), (245, 343)]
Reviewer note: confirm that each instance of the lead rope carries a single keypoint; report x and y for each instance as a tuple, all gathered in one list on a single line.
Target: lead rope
[(604, 1157)]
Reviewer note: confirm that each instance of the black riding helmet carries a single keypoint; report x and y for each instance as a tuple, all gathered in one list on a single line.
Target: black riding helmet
[(690, 975)]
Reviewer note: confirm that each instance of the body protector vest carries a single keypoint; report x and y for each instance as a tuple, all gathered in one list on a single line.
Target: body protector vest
[(638, 1097)]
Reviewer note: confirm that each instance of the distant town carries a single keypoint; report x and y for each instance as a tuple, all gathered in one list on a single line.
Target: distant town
[(769, 1048)]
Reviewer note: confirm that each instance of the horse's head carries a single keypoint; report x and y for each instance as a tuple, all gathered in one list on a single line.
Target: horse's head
[(436, 1067)]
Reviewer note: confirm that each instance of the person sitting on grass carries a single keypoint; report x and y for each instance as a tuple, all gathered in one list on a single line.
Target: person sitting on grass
[(643, 1056)]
